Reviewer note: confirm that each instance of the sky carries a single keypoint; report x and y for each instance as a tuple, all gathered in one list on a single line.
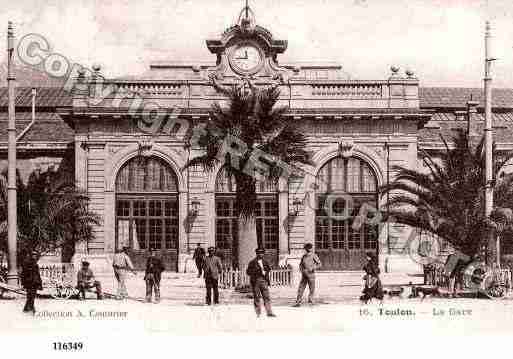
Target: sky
[(441, 41)]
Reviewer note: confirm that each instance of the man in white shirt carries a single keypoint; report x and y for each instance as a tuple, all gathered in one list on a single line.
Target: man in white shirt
[(309, 264), (121, 264)]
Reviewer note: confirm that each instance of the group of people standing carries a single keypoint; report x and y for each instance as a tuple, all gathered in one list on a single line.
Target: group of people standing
[(258, 270), (210, 266), (122, 265)]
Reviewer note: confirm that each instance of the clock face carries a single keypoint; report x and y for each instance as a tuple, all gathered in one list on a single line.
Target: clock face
[(245, 58)]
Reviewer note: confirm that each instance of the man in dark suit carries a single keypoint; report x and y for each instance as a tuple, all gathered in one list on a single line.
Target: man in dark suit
[(152, 276), (258, 271), (198, 256), (31, 280), (212, 267)]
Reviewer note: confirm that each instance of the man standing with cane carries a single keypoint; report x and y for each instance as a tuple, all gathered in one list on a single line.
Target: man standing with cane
[(309, 264), (121, 264)]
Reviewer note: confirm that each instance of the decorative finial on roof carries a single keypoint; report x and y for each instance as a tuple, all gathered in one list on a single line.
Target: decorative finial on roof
[(246, 19), (395, 71)]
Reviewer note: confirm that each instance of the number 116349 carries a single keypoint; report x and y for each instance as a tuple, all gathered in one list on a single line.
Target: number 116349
[(68, 346)]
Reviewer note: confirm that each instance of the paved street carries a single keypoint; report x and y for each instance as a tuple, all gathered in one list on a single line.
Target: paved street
[(182, 311), (235, 314)]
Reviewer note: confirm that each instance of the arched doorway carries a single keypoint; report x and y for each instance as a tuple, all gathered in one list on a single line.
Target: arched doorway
[(266, 218), (147, 210), (343, 185)]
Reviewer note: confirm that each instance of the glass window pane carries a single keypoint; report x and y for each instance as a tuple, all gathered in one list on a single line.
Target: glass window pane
[(338, 206), (146, 175), (123, 208), (270, 208), (123, 228), (338, 233), (155, 233), (139, 234), (337, 176), (270, 233), (139, 208), (171, 233), (258, 209), (170, 208), (370, 240), (353, 175), (354, 238), (321, 233), (155, 208), (223, 233), (259, 231), (321, 210), (368, 180)]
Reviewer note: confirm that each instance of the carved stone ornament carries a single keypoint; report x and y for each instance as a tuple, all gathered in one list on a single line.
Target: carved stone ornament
[(345, 148), (145, 148)]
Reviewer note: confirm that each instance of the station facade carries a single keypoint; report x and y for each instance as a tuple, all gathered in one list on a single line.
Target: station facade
[(133, 170)]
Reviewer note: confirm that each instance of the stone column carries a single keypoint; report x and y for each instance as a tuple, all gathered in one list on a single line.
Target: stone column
[(109, 222), (183, 245), (283, 223), (81, 178), (210, 210)]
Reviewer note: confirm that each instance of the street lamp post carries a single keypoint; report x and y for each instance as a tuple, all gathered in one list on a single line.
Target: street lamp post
[(387, 148), (12, 275), (488, 133)]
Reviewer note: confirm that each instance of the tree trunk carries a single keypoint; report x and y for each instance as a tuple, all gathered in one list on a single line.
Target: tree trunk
[(247, 241), (67, 251)]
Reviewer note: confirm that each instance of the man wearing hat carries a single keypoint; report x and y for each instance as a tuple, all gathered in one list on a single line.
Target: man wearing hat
[(152, 276), (258, 271), (31, 280), (308, 265), (212, 266), (86, 280)]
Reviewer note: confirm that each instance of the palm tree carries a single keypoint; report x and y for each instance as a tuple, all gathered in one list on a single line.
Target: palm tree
[(447, 199), (52, 213), (258, 124)]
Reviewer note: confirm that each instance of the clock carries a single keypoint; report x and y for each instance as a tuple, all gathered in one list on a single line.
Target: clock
[(245, 58)]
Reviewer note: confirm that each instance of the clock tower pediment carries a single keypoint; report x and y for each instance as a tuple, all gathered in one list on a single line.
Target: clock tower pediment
[(247, 49)]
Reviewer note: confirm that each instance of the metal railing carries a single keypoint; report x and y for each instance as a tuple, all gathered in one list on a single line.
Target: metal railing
[(237, 278), (58, 272)]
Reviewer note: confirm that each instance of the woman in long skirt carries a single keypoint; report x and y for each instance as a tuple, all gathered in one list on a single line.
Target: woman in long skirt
[(372, 284)]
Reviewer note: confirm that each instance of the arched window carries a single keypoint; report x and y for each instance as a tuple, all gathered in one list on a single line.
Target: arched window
[(266, 217), (147, 209), (343, 186), (147, 175)]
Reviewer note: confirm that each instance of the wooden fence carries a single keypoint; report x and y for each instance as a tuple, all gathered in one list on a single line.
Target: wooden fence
[(235, 278)]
